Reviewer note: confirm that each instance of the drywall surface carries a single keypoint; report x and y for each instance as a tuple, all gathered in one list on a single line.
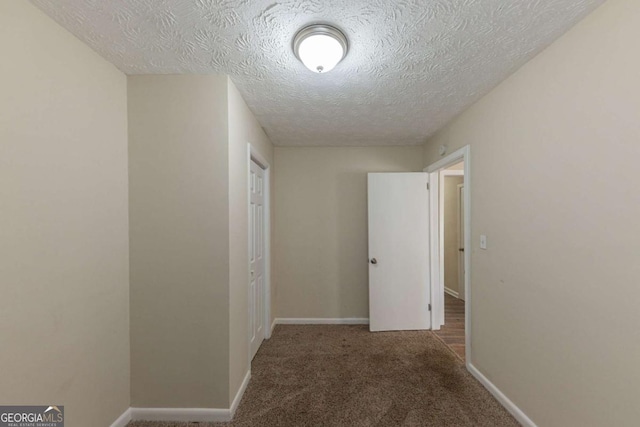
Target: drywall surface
[(553, 154), (64, 253), (243, 129), (320, 241), (179, 233)]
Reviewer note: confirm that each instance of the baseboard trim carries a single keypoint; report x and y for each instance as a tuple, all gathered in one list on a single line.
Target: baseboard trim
[(273, 325), (123, 419), (181, 414), (239, 394), (517, 413), (185, 414), (322, 321), (452, 293)]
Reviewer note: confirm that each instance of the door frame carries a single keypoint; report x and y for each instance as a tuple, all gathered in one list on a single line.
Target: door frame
[(460, 211), (437, 288), (254, 155)]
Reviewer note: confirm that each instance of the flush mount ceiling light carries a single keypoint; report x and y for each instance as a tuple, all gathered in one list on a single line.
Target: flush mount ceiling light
[(320, 47)]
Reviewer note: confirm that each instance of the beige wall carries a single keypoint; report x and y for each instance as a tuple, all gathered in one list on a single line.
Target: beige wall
[(64, 311), (179, 241), (553, 154), (320, 239), (243, 129), (451, 231)]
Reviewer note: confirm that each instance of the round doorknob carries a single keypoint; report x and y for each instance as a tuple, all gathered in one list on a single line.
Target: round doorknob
[(374, 261)]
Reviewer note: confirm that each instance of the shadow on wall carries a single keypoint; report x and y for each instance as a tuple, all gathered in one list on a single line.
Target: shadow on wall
[(352, 244)]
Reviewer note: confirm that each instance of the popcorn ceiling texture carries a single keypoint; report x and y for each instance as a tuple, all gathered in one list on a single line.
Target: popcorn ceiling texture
[(413, 65)]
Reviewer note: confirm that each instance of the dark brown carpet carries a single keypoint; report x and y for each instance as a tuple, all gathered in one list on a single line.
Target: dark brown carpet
[(325, 375)]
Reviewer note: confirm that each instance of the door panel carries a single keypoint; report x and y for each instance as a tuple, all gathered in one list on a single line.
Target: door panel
[(256, 258), (399, 292)]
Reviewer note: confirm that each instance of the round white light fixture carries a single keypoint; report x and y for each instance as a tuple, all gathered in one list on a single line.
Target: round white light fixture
[(320, 47)]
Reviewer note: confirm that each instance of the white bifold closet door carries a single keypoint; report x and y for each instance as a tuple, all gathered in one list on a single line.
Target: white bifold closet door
[(256, 258)]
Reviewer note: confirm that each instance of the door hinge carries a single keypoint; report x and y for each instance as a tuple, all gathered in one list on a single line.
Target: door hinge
[(429, 307), (427, 185)]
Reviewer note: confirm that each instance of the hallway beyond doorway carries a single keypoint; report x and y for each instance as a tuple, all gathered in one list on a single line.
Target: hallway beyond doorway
[(452, 332)]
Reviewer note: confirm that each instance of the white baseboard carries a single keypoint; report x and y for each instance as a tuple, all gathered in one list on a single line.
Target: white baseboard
[(181, 414), (185, 414), (239, 394), (323, 321), (517, 413), (123, 419), (273, 325), (451, 292)]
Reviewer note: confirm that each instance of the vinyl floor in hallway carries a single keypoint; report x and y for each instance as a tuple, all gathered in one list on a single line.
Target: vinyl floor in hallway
[(452, 332), (330, 375)]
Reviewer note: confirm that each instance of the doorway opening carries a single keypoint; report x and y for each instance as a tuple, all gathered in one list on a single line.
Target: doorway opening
[(450, 251), (451, 226)]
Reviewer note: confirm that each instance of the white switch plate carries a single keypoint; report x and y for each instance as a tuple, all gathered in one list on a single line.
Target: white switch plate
[(483, 241)]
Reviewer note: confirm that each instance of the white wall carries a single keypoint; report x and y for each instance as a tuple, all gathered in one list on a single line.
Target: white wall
[(64, 260), (320, 240), (179, 233), (243, 129), (554, 150)]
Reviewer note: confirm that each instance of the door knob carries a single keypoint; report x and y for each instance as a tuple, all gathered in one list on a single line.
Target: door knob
[(374, 261)]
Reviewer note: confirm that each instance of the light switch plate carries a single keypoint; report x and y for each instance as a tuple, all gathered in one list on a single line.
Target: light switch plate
[(483, 241)]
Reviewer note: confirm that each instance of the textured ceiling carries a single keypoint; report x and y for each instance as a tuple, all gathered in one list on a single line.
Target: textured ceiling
[(412, 66)]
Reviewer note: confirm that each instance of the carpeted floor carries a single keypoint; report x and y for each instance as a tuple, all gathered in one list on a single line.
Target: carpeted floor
[(326, 375)]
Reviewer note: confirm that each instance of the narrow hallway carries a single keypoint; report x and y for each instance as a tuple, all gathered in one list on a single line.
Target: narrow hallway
[(344, 375)]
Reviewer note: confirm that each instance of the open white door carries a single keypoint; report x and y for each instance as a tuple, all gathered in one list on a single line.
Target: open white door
[(399, 288)]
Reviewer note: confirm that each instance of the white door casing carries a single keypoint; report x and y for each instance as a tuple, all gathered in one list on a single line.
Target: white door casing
[(462, 154), (461, 294), (399, 288), (256, 258)]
